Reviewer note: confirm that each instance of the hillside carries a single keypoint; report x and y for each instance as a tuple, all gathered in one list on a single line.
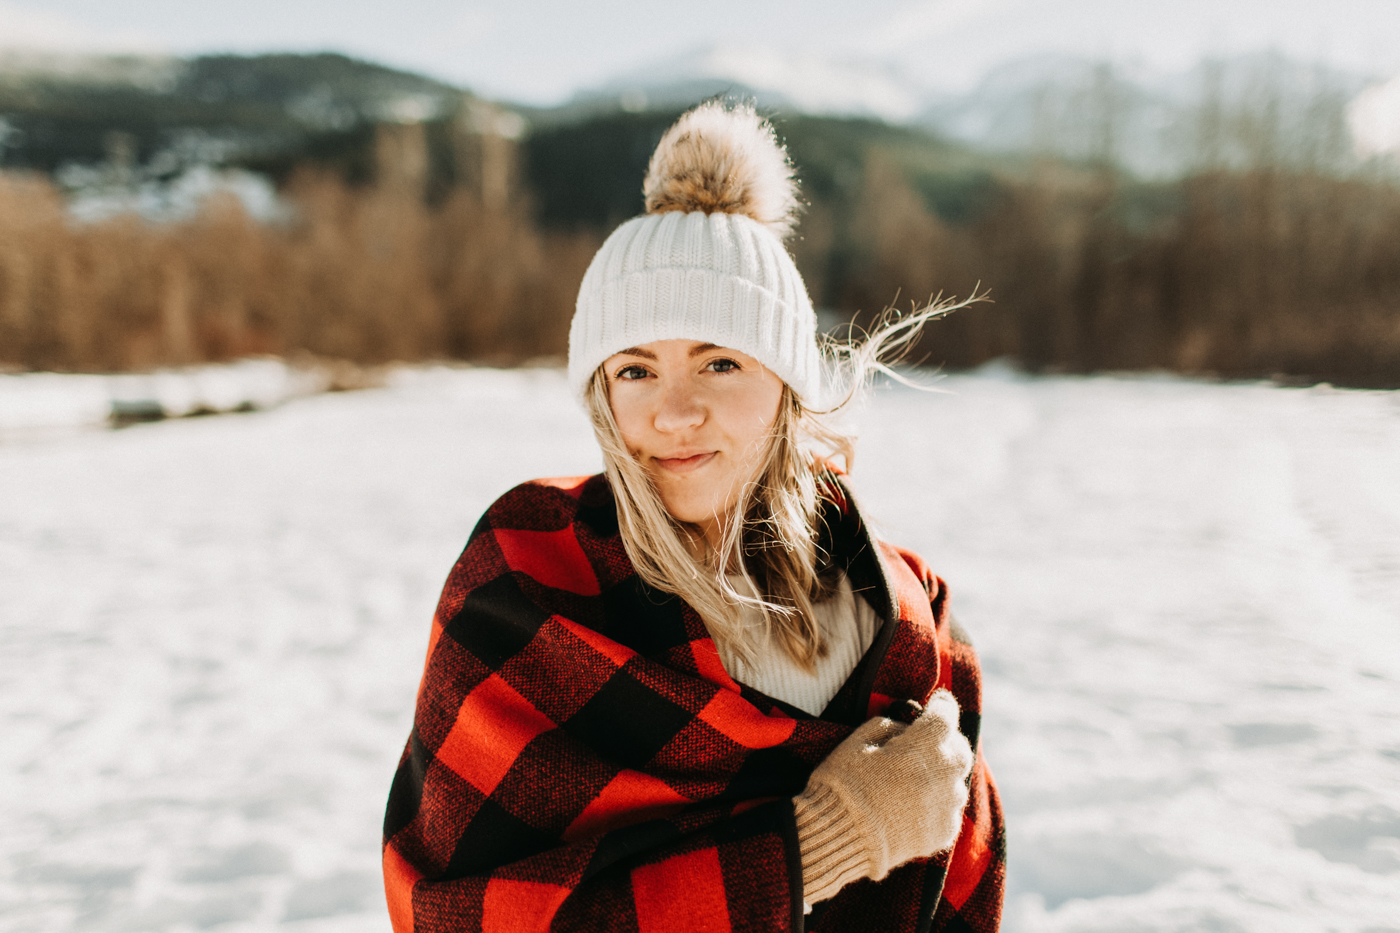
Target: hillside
[(588, 172), (263, 111)]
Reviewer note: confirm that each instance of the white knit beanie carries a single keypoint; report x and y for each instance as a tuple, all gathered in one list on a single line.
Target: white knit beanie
[(707, 261)]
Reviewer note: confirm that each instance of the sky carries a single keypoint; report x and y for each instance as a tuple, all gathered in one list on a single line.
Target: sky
[(542, 51)]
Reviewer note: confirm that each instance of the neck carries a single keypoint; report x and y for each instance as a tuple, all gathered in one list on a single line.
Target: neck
[(709, 539)]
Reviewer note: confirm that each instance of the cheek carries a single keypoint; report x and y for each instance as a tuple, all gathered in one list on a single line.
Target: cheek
[(630, 421), (754, 425), (636, 432)]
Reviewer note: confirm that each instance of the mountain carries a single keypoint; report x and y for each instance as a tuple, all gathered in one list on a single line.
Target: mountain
[(792, 82), (1153, 123), (171, 113), (159, 116)]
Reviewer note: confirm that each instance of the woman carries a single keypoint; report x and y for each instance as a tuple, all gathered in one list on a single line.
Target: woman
[(693, 693)]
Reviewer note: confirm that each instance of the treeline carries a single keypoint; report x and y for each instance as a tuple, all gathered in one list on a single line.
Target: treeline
[(1252, 274), (367, 274), (1240, 269)]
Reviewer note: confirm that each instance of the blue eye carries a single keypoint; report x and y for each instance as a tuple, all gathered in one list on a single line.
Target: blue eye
[(723, 366), (632, 372)]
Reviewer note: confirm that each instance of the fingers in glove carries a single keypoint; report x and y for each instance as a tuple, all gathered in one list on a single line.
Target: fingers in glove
[(935, 734), (874, 733), (943, 704)]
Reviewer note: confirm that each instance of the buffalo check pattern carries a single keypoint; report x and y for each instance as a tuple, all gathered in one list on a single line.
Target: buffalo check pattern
[(580, 760)]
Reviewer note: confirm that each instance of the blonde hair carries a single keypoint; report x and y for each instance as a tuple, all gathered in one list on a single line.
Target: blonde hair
[(769, 541)]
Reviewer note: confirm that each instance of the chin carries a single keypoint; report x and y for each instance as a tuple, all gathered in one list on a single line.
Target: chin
[(687, 513), (691, 509)]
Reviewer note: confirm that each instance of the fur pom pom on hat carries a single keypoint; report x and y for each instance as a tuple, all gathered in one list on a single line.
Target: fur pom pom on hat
[(721, 161), (707, 261)]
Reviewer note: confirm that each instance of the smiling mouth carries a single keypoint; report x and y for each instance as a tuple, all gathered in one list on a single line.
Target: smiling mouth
[(685, 464)]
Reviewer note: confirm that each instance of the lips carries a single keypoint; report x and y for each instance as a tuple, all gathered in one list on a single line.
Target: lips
[(686, 464)]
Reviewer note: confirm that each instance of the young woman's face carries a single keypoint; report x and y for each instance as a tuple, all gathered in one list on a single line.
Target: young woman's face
[(697, 417)]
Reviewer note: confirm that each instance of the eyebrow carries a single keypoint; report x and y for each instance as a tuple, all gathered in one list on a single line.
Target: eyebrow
[(648, 355)]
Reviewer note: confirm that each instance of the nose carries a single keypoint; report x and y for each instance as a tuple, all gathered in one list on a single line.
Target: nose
[(679, 410)]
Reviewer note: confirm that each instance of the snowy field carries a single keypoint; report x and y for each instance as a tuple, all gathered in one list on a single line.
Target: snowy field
[(37, 404), (1186, 597)]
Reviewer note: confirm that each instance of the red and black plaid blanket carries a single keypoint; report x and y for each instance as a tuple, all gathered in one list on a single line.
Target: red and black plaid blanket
[(580, 760)]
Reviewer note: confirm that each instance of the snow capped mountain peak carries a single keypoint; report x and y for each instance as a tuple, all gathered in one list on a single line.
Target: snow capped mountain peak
[(27, 30), (806, 82), (815, 84), (1373, 117)]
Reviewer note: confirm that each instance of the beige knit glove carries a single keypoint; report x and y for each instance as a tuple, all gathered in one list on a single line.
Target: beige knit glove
[(887, 794)]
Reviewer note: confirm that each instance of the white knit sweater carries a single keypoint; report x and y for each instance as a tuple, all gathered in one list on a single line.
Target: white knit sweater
[(848, 625)]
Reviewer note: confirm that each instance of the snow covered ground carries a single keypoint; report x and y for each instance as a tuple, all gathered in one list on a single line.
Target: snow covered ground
[(33, 404), (1186, 597)]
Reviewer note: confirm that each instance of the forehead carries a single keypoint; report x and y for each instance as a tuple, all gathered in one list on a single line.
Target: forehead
[(658, 349)]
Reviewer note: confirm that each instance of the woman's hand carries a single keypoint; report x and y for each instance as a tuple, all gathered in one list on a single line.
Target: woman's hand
[(887, 794)]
